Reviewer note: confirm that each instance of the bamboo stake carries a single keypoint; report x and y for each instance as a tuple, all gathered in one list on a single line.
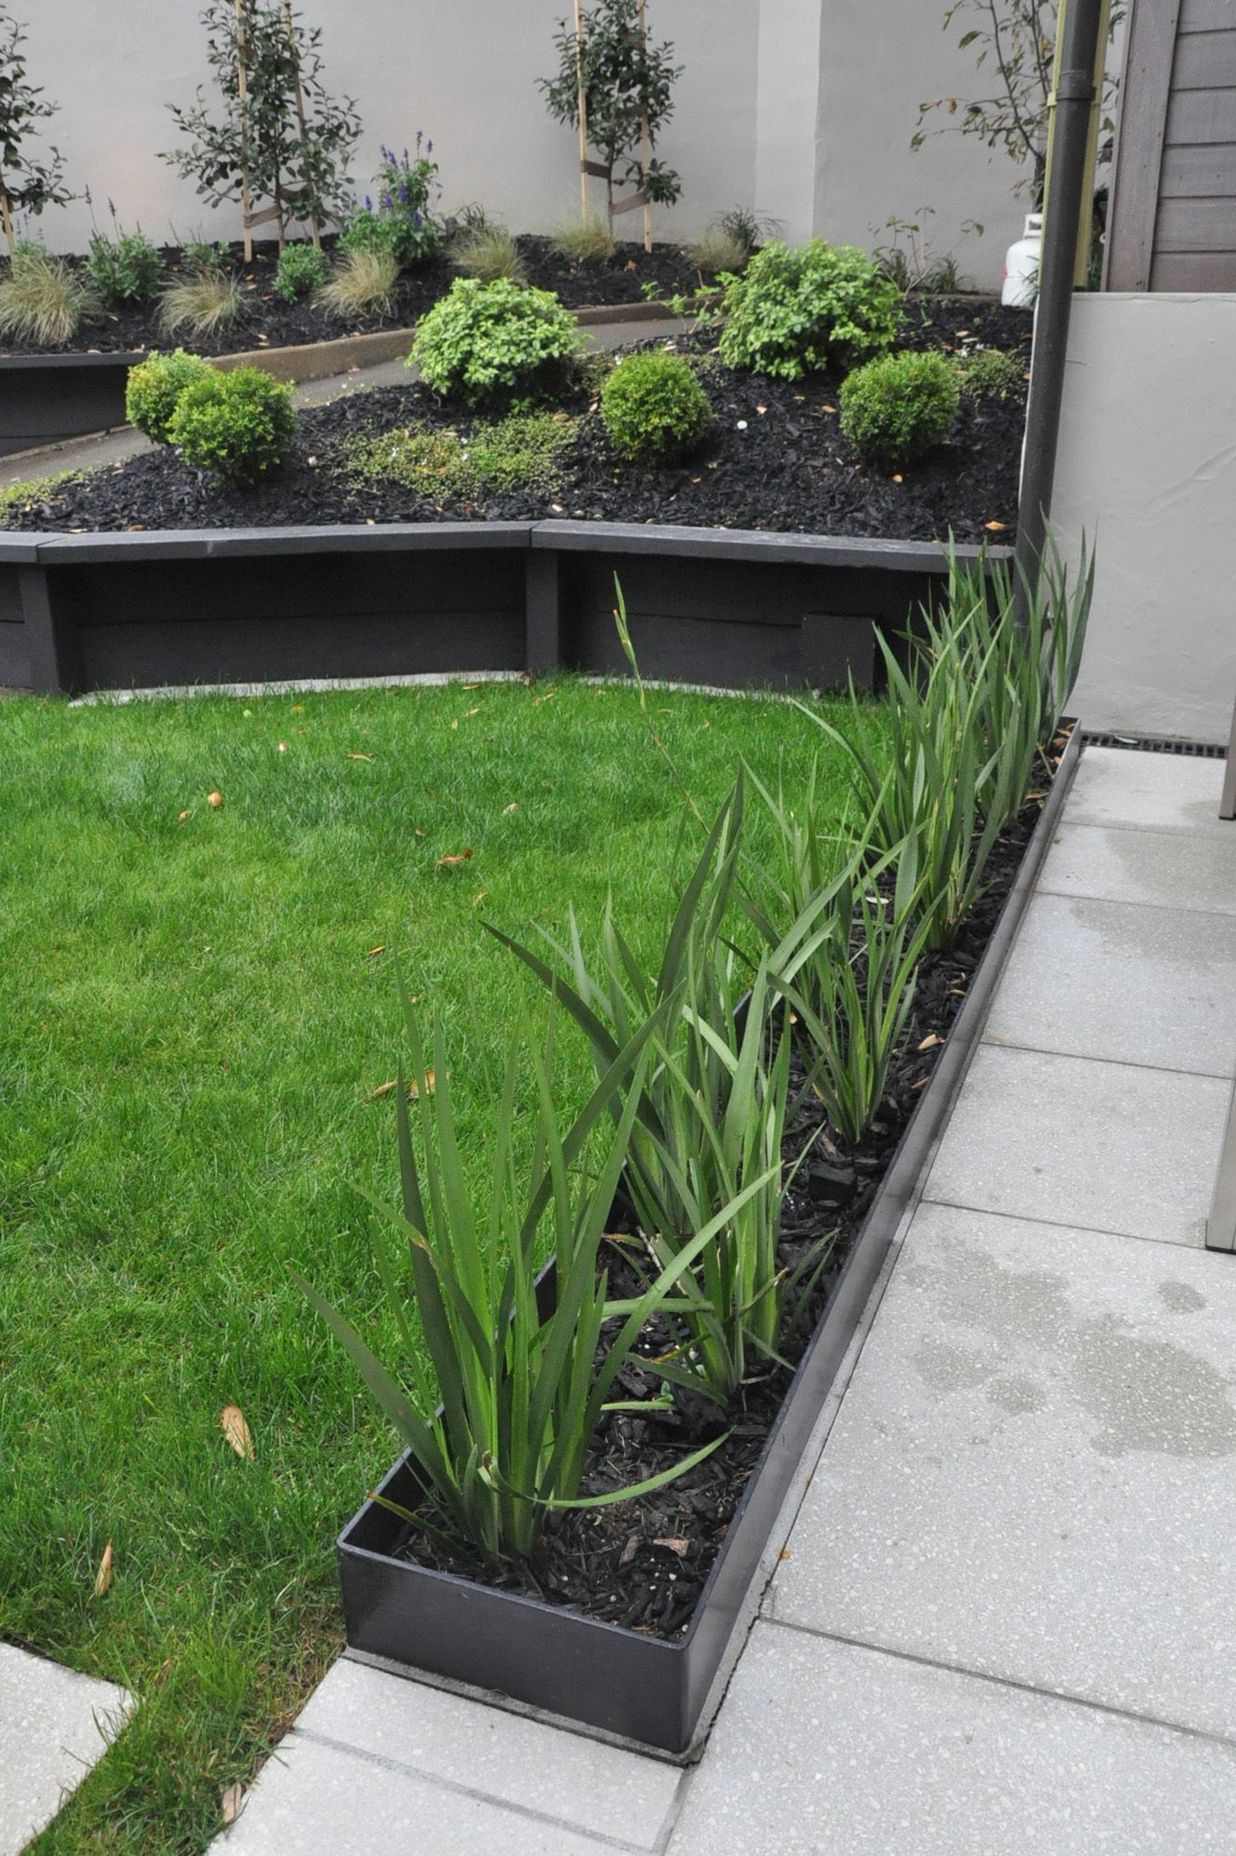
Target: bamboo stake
[(6, 216), (242, 87), (582, 95), (300, 107), (645, 137)]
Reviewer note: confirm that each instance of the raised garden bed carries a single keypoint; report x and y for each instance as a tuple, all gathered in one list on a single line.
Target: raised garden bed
[(683, 1562)]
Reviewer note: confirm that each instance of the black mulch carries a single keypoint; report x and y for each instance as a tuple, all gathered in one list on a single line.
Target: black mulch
[(776, 460), (643, 1563), (270, 322)]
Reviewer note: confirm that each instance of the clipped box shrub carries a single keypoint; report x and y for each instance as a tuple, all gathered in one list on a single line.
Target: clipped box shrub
[(301, 270), (900, 405), (991, 374), (799, 309), (488, 342), (237, 426), (153, 389), (655, 409)]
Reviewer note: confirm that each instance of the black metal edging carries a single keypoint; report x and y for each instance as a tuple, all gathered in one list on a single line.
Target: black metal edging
[(600, 1676)]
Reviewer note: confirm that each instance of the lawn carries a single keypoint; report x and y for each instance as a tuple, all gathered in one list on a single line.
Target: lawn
[(198, 1014)]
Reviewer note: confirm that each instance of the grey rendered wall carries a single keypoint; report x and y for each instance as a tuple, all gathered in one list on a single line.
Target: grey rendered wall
[(802, 108), (1147, 468)]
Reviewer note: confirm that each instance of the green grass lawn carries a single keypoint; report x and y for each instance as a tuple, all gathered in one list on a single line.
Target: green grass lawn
[(197, 1007)]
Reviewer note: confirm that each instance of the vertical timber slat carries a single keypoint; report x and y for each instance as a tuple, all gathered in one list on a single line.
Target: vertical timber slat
[(1145, 93)]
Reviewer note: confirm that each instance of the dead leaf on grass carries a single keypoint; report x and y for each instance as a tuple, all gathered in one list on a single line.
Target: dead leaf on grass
[(103, 1578), (375, 951), (513, 807), (182, 816), (361, 757), (414, 1088), (453, 860), (237, 1432), (215, 800), (231, 1804), (479, 898)]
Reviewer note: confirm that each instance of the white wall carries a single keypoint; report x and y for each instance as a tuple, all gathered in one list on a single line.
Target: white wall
[(802, 108), (1147, 467)]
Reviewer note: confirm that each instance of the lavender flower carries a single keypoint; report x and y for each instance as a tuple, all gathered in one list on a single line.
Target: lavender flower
[(111, 206)]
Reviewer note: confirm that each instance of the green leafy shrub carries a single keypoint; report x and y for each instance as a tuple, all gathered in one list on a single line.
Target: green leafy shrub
[(900, 405), (991, 373), (238, 426), (655, 409), (153, 389), (301, 270), (798, 309), (402, 223), (43, 299), (485, 342), (124, 269)]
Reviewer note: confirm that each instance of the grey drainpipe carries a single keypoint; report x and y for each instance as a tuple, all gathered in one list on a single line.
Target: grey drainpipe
[(1074, 98)]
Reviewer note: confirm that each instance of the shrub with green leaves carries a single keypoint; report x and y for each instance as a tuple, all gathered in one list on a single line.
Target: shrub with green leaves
[(654, 408), (897, 407), (402, 224), (237, 426), (991, 373), (153, 389), (125, 269), (485, 342), (301, 270), (798, 309)]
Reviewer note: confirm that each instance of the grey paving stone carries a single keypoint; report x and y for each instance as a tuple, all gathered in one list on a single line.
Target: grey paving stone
[(513, 1760), (54, 1725), (824, 1749), (1150, 792), (1076, 1142), (1033, 1473), (316, 1800), (1168, 869), (1122, 982)]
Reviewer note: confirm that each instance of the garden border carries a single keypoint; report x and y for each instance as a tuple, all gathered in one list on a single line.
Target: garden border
[(598, 1676), (724, 607), (47, 399)]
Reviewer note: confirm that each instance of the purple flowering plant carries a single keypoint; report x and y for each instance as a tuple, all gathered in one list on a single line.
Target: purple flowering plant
[(404, 220)]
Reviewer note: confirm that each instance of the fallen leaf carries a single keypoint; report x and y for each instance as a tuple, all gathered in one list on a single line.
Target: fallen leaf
[(215, 800), (629, 1550), (453, 861), (995, 525), (785, 1554), (237, 1432), (513, 807), (479, 898), (414, 1088), (473, 712), (930, 1042), (182, 816), (231, 1803), (418, 831), (897, 479), (103, 1578), (547, 697), (828, 409), (469, 686), (375, 951), (761, 409), (674, 1542), (455, 723), (360, 757), (283, 747)]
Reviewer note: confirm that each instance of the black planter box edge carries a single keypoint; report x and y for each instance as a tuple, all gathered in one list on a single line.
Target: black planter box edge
[(602, 1679)]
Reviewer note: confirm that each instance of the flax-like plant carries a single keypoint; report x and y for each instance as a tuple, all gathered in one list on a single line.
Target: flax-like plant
[(499, 1427)]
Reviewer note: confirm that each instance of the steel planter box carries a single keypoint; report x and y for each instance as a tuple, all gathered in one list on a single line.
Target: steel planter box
[(598, 1675)]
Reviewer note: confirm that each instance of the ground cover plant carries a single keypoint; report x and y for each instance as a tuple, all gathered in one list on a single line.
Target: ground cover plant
[(201, 1045)]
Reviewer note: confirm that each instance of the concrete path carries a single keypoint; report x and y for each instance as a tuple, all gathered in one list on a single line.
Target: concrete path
[(114, 447), (1004, 1624), (54, 1725)]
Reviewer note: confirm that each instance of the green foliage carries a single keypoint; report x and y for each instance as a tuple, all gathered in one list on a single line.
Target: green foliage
[(153, 389), (488, 251), (301, 270), (238, 426), (500, 1427), (362, 282), (585, 241), (259, 138), (28, 182), (16, 498), (655, 409), (402, 223), (43, 300), (484, 342), (504, 454), (124, 269), (628, 82), (798, 309), (991, 373), (205, 299), (898, 406)]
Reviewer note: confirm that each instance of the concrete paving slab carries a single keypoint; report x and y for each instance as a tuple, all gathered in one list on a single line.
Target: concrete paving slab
[(317, 1800), (1163, 869), (54, 1725), (1122, 982), (1033, 1473), (825, 1749), (515, 1761), (1075, 1142), (1148, 792)]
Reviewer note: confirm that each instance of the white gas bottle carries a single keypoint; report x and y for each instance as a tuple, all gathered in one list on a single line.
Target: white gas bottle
[(1021, 266)]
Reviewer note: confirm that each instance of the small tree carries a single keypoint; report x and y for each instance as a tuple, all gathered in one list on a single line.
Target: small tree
[(27, 183), (625, 84), (279, 136), (1015, 40)]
